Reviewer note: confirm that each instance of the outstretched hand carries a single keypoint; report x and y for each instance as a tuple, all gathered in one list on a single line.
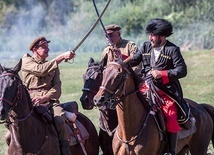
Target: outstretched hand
[(68, 55), (65, 56)]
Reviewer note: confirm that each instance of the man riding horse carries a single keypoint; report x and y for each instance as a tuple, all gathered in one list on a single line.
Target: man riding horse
[(42, 79), (163, 65)]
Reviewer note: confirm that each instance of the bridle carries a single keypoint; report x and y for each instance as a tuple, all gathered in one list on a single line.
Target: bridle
[(119, 94), (18, 94), (115, 99), (14, 103), (96, 69)]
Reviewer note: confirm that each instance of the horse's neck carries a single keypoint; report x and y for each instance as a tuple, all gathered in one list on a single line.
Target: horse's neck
[(24, 121), (131, 114), (24, 104)]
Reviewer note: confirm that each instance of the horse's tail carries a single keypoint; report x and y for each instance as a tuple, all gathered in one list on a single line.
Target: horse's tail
[(210, 110)]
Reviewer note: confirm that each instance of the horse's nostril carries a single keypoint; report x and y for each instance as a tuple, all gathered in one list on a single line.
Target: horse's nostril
[(102, 99), (99, 101)]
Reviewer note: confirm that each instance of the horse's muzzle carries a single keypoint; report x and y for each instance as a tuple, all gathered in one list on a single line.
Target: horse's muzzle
[(99, 101)]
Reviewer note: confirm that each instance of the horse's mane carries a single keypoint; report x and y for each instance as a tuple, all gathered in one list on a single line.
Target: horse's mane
[(95, 63), (8, 69), (138, 80), (91, 65)]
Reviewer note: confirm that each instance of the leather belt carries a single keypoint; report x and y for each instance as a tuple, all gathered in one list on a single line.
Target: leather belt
[(37, 90)]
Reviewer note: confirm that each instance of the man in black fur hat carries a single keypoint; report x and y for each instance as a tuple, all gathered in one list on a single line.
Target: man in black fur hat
[(163, 65)]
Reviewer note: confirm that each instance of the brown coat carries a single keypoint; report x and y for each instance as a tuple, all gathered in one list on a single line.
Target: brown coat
[(126, 48), (41, 77)]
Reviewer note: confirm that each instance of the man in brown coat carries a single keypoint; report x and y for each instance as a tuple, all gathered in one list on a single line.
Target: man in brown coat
[(115, 41), (42, 79), (118, 47)]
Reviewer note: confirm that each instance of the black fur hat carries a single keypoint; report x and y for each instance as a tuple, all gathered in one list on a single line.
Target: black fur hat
[(159, 26)]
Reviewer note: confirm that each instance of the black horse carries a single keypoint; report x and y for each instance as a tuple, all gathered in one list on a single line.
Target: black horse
[(29, 133), (108, 119)]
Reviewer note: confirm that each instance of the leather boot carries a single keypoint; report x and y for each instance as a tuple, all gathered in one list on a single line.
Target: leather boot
[(172, 142), (64, 147)]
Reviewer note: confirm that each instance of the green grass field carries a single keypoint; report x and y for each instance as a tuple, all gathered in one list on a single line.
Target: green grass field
[(198, 85)]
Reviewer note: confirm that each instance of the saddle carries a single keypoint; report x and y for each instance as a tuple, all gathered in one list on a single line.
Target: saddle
[(77, 133), (185, 131), (185, 118), (188, 127)]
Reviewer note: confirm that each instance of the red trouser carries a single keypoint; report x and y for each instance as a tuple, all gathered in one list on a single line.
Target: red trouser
[(169, 109)]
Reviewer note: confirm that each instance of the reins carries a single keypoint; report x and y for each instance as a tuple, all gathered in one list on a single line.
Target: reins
[(115, 101), (14, 103), (15, 100), (21, 119), (143, 126), (11, 103)]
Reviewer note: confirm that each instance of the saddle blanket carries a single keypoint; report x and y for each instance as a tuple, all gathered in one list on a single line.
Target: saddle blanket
[(83, 133), (185, 133)]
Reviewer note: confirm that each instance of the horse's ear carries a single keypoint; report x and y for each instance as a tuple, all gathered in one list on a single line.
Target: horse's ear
[(91, 60), (1, 69), (18, 66), (104, 60)]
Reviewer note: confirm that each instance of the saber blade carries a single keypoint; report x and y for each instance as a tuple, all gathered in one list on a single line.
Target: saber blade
[(93, 26), (101, 22)]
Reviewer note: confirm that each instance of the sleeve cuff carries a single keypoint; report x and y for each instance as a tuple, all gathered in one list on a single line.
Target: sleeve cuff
[(164, 76), (124, 57)]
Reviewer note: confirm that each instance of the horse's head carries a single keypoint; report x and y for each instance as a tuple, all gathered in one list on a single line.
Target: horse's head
[(92, 81), (114, 84), (9, 88)]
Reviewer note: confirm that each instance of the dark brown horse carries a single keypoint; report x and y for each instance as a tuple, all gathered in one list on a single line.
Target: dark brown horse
[(137, 131), (108, 119), (29, 134)]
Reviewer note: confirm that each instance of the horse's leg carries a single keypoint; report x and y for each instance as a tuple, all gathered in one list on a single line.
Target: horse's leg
[(12, 147), (204, 123), (8, 137), (184, 151), (105, 142)]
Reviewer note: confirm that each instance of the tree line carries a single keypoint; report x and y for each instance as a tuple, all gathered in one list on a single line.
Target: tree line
[(192, 20)]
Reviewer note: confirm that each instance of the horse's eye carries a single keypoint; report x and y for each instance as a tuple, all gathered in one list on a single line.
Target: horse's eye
[(120, 70)]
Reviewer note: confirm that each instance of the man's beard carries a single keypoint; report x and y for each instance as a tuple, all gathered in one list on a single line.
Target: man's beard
[(157, 43)]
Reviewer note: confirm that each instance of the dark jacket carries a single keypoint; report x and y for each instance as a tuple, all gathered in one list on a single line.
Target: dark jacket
[(171, 61)]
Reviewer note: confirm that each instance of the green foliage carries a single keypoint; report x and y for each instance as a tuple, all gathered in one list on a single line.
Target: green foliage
[(66, 22), (131, 21)]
